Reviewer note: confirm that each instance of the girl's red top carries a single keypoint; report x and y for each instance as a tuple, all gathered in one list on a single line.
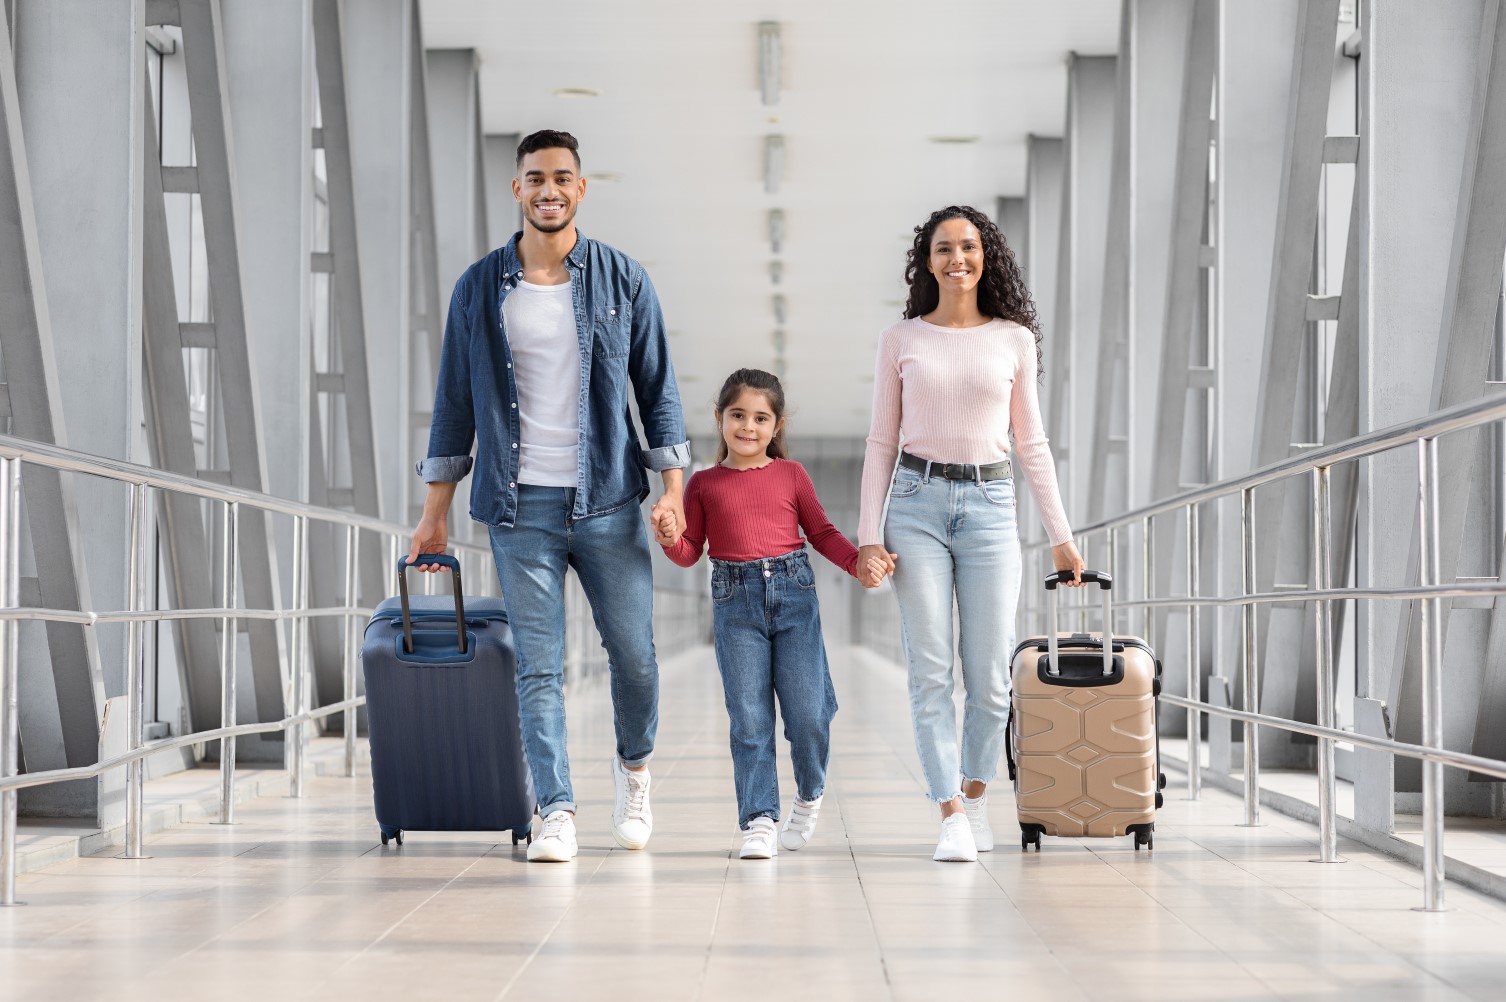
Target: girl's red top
[(757, 513)]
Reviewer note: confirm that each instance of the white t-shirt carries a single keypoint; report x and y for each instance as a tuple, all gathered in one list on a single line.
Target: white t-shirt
[(540, 322)]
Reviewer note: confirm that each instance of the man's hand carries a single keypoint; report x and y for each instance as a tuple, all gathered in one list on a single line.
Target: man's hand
[(874, 562), (433, 532)]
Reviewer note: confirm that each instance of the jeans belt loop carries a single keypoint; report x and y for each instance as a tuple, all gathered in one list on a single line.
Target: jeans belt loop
[(925, 477), (978, 474)]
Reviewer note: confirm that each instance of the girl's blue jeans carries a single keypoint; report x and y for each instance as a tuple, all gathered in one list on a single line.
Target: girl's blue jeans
[(768, 645)]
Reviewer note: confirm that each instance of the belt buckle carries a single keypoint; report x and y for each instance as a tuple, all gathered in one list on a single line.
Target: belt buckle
[(956, 471)]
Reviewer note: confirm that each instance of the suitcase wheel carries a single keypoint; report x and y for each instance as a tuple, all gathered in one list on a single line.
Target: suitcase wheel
[(1030, 835), (1144, 837), (392, 834), (526, 837)]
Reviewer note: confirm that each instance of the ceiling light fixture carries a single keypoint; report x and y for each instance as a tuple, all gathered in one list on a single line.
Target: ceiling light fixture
[(773, 163), (576, 92), (777, 301), (776, 230), (776, 272), (954, 140), (779, 342), (605, 177), (768, 61)]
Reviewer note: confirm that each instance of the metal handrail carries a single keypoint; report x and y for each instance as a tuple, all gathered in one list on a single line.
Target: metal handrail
[(142, 481), (1424, 432)]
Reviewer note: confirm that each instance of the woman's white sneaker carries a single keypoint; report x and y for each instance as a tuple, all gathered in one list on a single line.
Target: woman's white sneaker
[(956, 843), (758, 839), (801, 824), (977, 820), (555, 842)]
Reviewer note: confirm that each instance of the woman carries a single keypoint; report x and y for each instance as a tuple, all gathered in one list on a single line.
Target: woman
[(955, 378)]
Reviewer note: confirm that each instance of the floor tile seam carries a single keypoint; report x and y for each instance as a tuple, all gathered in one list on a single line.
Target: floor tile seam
[(857, 869), (716, 917), (544, 939)]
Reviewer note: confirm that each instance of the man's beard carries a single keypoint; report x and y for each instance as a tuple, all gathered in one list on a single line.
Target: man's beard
[(545, 226)]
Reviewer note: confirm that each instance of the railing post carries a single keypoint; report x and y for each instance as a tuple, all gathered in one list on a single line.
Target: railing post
[(1194, 668), (136, 634), (296, 670), (10, 716), (230, 563), (1328, 838), (352, 568), (1114, 560), (1147, 541), (1432, 678), (1251, 681)]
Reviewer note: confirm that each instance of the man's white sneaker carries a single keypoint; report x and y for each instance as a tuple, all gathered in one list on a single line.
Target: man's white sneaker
[(632, 821), (555, 842), (956, 843), (977, 820), (758, 840), (800, 825)]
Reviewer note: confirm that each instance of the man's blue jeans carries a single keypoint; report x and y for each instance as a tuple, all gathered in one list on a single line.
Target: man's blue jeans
[(956, 541), (768, 644), (610, 555)]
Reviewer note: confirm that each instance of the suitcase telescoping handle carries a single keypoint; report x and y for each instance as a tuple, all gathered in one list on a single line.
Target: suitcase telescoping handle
[(438, 560), (1106, 585)]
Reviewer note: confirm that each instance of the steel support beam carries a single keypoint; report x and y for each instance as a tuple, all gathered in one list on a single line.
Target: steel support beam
[(1040, 257), (1471, 300), (1012, 215), (214, 150), (59, 718), (1071, 353), (1106, 478)]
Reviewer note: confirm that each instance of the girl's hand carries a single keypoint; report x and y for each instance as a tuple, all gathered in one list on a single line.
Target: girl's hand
[(1066, 558), (873, 563), (667, 527)]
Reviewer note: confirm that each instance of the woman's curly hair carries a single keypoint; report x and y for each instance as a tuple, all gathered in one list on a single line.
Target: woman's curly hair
[(1001, 290)]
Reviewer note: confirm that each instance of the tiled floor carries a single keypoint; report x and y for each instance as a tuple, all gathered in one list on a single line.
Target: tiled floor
[(301, 901)]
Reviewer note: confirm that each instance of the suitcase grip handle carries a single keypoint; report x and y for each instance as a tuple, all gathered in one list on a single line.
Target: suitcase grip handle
[(439, 560), (1100, 578), (1106, 583)]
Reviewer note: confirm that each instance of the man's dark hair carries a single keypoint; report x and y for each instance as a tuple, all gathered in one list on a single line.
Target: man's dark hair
[(548, 139)]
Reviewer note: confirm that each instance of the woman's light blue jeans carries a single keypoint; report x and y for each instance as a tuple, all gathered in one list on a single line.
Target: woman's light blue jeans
[(956, 538)]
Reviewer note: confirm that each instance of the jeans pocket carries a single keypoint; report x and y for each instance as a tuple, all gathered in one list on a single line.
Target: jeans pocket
[(904, 485), (999, 492), (805, 577), (721, 588)]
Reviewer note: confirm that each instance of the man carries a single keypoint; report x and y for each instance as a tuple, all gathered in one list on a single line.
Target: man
[(543, 339)]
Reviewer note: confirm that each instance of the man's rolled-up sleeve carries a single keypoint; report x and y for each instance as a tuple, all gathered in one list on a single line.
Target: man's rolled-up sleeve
[(654, 385), (452, 428)]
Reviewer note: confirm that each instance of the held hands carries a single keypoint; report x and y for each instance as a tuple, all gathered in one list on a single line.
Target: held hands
[(1066, 558), (668, 517), (874, 562)]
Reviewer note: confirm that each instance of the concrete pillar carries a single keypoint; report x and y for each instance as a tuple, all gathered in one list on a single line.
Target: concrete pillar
[(503, 218)]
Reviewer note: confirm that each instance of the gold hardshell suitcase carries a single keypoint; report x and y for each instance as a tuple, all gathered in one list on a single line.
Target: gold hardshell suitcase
[(1082, 744)]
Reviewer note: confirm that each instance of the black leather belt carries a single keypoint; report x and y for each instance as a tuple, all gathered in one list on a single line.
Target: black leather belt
[(957, 471)]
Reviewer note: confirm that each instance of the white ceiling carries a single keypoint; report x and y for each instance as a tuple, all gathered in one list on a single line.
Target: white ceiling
[(865, 84)]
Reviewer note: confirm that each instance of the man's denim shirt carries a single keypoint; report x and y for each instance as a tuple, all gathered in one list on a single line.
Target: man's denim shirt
[(622, 340)]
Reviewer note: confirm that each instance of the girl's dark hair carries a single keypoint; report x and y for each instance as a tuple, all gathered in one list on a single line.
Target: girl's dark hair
[(761, 382), (1001, 290)]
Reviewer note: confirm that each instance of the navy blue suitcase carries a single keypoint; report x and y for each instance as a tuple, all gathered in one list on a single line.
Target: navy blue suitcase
[(442, 711)]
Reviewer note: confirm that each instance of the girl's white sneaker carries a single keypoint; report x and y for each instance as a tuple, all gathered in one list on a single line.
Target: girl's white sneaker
[(758, 839), (801, 824), (956, 843)]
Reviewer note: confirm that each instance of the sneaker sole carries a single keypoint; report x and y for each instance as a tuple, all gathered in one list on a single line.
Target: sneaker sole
[(628, 843), (801, 844), (954, 859), (757, 855), (551, 858)]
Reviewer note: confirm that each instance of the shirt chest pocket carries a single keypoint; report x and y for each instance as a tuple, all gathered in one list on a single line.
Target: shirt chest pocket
[(612, 330)]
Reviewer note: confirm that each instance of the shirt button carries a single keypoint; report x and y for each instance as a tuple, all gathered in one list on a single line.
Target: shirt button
[(613, 312), (509, 365), (512, 485), (515, 445), (514, 406)]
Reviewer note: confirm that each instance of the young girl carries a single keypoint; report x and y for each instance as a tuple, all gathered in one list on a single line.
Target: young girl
[(751, 507)]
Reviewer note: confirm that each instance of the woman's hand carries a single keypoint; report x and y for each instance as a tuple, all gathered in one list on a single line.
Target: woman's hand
[(1066, 558)]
